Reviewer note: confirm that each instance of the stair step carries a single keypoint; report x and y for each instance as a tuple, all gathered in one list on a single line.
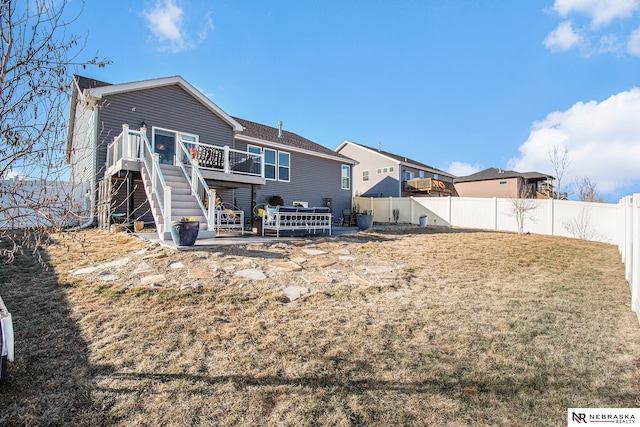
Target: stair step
[(194, 212), (183, 198)]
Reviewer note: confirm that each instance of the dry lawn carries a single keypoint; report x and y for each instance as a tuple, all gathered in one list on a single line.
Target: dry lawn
[(456, 328)]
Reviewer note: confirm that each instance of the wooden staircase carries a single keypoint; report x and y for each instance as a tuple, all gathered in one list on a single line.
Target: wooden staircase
[(183, 202)]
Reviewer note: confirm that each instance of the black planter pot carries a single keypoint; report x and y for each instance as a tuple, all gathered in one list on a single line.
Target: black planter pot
[(185, 233), (365, 221)]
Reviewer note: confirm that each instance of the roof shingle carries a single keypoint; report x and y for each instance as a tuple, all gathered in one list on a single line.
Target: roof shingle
[(270, 134)]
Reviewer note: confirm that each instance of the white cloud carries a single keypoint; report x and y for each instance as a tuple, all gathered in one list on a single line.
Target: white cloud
[(166, 22), (633, 44), (562, 38), (207, 26), (597, 36), (602, 139), (463, 169), (600, 12)]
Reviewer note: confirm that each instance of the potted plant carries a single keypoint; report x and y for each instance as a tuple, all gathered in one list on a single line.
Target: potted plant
[(365, 220), (276, 201), (184, 232)]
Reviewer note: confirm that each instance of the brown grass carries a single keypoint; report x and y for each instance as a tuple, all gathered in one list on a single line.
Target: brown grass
[(458, 328)]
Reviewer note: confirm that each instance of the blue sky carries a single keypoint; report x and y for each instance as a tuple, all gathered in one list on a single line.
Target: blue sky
[(459, 85)]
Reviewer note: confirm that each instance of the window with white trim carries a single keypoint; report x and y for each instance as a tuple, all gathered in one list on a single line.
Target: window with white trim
[(283, 166), (408, 175), (421, 174), (277, 164), (365, 175), (270, 164), (254, 149), (255, 164), (346, 177)]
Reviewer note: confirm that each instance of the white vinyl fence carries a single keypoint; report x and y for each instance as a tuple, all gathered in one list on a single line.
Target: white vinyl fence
[(616, 224)]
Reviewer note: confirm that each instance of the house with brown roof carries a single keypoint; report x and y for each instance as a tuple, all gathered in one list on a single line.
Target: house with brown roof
[(502, 183), (157, 150), (379, 173)]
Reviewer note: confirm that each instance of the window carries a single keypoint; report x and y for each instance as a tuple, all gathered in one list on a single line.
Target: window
[(379, 171), (346, 177), (436, 176), (385, 170), (421, 174), (277, 164), (255, 161), (253, 149), (283, 166), (269, 163), (365, 175), (408, 175), (390, 169)]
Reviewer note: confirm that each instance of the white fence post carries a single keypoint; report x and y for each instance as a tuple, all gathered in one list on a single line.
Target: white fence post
[(628, 237), (635, 261), (411, 214), (552, 219)]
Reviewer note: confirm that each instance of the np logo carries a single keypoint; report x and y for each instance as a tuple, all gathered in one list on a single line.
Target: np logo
[(579, 418)]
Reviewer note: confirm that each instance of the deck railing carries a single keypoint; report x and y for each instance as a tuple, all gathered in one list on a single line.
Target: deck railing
[(199, 187), (125, 146), (159, 186), (225, 159)]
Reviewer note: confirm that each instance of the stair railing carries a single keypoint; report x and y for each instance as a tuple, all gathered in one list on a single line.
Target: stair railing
[(159, 186), (199, 187)]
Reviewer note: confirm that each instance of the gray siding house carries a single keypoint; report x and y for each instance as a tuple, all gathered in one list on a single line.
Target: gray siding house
[(158, 149), (379, 173)]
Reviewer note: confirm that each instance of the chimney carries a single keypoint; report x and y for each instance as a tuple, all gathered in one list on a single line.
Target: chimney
[(280, 129), (379, 146)]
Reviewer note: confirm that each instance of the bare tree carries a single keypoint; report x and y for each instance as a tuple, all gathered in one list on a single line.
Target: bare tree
[(559, 159), (37, 56), (587, 190), (580, 226), (523, 207)]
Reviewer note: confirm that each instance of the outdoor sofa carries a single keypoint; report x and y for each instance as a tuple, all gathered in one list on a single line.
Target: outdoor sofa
[(292, 218)]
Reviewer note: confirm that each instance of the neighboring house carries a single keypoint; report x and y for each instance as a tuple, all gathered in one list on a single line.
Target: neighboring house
[(131, 148), (501, 183), (379, 173)]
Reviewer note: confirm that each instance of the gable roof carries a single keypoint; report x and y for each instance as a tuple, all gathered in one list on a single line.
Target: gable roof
[(97, 92), (400, 159), (494, 173), (267, 135), (244, 129), (87, 83)]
